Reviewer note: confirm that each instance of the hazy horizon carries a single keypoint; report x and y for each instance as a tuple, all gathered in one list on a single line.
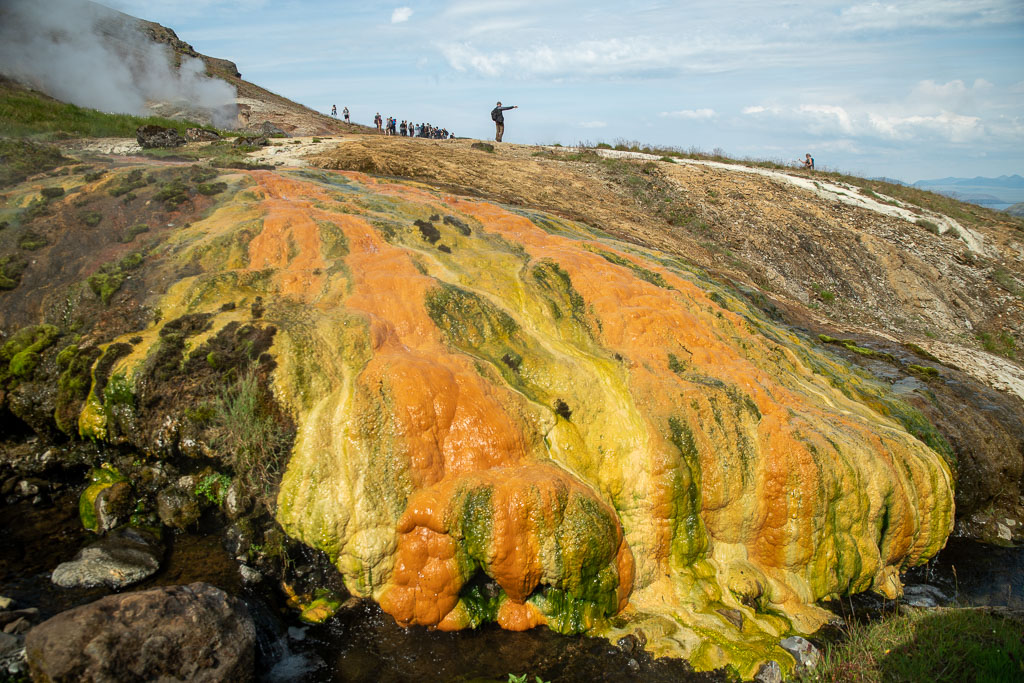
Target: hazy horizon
[(908, 90)]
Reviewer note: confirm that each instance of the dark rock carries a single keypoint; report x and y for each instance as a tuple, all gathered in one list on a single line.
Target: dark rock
[(158, 136), (177, 508), (251, 140), (629, 644), (201, 135), (195, 633), (114, 506), (121, 558)]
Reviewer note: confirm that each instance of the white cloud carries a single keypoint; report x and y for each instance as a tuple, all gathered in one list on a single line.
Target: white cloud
[(637, 56), (593, 124), (933, 14), (826, 116), (401, 14), (690, 114), (952, 127)]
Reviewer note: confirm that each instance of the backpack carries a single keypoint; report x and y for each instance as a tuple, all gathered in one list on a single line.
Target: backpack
[(494, 114)]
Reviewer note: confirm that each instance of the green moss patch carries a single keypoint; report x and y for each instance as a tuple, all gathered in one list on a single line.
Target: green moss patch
[(20, 355), (11, 268), (108, 279)]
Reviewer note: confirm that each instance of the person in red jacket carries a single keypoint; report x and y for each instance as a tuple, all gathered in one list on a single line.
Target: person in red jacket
[(499, 120)]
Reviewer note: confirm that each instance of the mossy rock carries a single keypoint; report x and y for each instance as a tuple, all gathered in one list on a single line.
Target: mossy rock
[(102, 478)]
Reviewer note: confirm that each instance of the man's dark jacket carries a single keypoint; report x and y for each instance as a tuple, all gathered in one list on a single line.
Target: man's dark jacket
[(497, 116)]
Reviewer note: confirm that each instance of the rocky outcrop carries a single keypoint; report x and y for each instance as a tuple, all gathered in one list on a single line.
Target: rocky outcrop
[(201, 135), (151, 136), (195, 632)]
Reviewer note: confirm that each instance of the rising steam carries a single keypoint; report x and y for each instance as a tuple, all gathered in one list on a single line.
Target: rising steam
[(92, 56)]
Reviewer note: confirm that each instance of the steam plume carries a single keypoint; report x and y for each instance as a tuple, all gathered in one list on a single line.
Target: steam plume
[(92, 56)]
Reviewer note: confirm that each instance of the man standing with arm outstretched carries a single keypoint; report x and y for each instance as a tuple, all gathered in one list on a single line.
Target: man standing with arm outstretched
[(499, 120)]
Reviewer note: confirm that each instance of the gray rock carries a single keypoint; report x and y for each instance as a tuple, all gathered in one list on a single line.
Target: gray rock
[(251, 140), (194, 633), (249, 575), (236, 502), (770, 672), (805, 654), (121, 558), (176, 508), (269, 129), (158, 136)]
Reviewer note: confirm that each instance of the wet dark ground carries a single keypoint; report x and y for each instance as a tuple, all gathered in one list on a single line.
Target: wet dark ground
[(360, 644), (363, 644)]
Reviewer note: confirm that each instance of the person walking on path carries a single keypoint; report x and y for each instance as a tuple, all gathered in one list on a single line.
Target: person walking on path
[(377, 120), (808, 162), (334, 110), (499, 120), (345, 114)]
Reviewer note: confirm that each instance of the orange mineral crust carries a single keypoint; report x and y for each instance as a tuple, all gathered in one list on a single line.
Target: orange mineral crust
[(506, 416)]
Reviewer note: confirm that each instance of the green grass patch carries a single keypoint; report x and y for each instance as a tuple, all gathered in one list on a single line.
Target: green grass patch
[(247, 428), (1005, 279), (927, 645), (930, 226), (1002, 344), (24, 113)]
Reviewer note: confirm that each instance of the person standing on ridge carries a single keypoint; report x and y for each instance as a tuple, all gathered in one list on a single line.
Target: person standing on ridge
[(334, 110), (808, 162), (377, 120), (345, 114), (499, 120)]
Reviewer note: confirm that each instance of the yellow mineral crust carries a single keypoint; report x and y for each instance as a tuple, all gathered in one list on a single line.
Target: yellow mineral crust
[(504, 416)]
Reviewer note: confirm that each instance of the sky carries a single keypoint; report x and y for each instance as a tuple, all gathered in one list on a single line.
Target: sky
[(912, 89)]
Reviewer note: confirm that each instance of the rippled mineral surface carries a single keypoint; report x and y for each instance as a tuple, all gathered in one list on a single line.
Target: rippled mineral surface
[(506, 416)]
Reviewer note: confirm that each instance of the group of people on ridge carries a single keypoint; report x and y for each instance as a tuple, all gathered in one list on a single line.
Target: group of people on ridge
[(425, 130), (410, 129)]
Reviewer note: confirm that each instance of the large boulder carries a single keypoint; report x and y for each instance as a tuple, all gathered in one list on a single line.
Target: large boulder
[(121, 558), (195, 633), (158, 136)]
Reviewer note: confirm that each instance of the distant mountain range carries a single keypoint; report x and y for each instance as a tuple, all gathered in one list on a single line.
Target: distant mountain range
[(996, 193)]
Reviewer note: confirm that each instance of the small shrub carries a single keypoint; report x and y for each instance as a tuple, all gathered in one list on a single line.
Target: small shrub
[(93, 176), (483, 146), (31, 240), (210, 189), (928, 225), (92, 218), (213, 488), (11, 268), (52, 192), (134, 231)]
